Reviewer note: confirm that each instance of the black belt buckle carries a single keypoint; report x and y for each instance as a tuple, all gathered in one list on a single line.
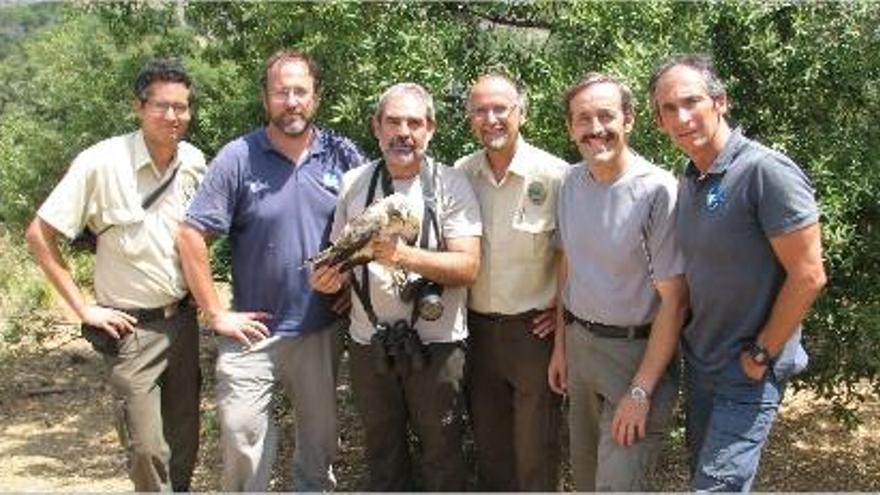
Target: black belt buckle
[(501, 317), (162, 313), (632, 332)]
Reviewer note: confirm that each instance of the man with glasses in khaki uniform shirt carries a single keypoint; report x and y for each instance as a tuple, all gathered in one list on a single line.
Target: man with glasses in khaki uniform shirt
[(515, 415), (141, 312)]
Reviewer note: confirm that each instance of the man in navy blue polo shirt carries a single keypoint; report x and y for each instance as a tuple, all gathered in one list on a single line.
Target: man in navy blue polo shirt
[(273, 193), (747, 225)]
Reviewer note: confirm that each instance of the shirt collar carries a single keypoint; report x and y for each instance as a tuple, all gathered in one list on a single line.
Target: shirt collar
[(724, 159), (520, 164), (141, 154), (318, 147)]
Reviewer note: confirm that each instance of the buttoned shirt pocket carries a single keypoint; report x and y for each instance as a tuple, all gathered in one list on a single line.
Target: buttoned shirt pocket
[(536, 214), (536, 211)]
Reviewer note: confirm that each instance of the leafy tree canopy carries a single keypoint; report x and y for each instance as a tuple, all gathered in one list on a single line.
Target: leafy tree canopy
[(802, 77)]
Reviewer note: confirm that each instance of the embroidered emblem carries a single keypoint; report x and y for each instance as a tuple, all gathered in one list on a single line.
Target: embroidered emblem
[(536, 192), (257, 186), (331, 180), (715, 197)]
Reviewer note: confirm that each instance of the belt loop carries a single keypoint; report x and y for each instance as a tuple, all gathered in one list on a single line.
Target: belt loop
[(631, 333)]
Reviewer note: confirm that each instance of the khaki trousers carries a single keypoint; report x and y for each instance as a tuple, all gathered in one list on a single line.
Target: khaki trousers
[(156, 381), (599, 374), (516, 417), (247, 379)]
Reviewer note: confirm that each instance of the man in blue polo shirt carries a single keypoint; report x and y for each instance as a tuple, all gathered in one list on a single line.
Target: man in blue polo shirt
[(273, 193), (747, 225)]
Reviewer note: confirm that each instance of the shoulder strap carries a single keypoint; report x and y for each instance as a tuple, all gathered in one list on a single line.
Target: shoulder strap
[(150, 198), (153, 196), (428, 182)]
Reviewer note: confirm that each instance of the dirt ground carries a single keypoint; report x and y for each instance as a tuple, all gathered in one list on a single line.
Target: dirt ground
[(57, 433)]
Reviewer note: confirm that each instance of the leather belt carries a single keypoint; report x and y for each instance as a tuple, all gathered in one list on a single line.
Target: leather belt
[(501, 317), (161, 313), (632, 332)]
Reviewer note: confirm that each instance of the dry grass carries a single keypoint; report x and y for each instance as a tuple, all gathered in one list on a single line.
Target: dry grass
[(57, 434)]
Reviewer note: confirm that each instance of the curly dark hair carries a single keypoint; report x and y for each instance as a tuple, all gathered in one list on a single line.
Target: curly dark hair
[(161, 70)]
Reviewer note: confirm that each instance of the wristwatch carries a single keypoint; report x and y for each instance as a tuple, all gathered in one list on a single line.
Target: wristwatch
[(638, 394), (759, 354)]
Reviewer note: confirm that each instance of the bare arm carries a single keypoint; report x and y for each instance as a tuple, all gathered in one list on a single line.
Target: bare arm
[(557, 371), (800, 253), (457, 266), (193, 247), (665, 332), (42, 240), (630, 419)]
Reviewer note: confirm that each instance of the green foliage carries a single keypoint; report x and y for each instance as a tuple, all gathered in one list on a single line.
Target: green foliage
[(802, 77), (22, 290)]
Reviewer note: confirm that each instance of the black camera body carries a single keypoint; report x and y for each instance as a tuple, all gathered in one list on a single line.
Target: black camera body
[(397, 347), (426, 294)]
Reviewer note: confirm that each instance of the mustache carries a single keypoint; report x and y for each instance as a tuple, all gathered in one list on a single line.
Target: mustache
[(401, 142), (596, 135)]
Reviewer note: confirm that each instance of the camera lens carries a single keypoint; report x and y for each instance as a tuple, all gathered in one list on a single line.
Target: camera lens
[(430, 307)]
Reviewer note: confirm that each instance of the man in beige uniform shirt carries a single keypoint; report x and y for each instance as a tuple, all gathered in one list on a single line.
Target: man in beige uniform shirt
[(141, 314), (515, 415)]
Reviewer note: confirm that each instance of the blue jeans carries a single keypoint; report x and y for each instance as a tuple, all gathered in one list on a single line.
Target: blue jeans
[(728, 419)]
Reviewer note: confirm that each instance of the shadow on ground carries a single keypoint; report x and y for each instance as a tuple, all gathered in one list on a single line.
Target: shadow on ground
[(57, 433)]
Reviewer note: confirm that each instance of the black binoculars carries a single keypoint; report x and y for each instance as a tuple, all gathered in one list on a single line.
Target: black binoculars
[(397, 346), (426, 295)]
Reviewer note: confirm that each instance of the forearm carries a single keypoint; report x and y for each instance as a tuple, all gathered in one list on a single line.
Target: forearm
[(665, 333), (561, 280), (791, 306), (662, 346), (43, 245), (194, 259), (800, 254)]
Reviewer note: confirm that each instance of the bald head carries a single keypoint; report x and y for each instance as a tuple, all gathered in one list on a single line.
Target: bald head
[(496, 107)]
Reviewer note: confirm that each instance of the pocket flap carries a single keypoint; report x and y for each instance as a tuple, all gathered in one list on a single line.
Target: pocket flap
[(121, 216)]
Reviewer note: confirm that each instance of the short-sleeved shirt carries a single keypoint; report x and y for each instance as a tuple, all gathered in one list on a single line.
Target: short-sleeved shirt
[(137, 264), (458, 215), (619, 238), (517, 255), (726, 219), (276, 215)]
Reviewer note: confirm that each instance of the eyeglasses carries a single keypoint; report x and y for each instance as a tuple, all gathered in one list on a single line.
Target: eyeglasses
[(162, 107), (500, 112), (285, 94)]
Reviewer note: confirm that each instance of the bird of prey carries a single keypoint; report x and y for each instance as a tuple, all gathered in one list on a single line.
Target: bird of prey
[(389, 217)]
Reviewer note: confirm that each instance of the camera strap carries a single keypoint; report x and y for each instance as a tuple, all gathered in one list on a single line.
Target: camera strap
[(428, 181)]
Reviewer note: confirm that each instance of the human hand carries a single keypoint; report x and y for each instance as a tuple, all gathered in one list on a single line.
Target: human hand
[(751, 369), (557, 372), (241, 326), (342, 303), (328, 280), (630, 420), (388, 250), (544, 323), (113, 321)]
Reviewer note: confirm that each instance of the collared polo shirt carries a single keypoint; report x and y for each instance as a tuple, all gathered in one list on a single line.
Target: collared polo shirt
[(458, 214), (726, 219), (276, 215), (619, 238), (136, 264), (517, 262)]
